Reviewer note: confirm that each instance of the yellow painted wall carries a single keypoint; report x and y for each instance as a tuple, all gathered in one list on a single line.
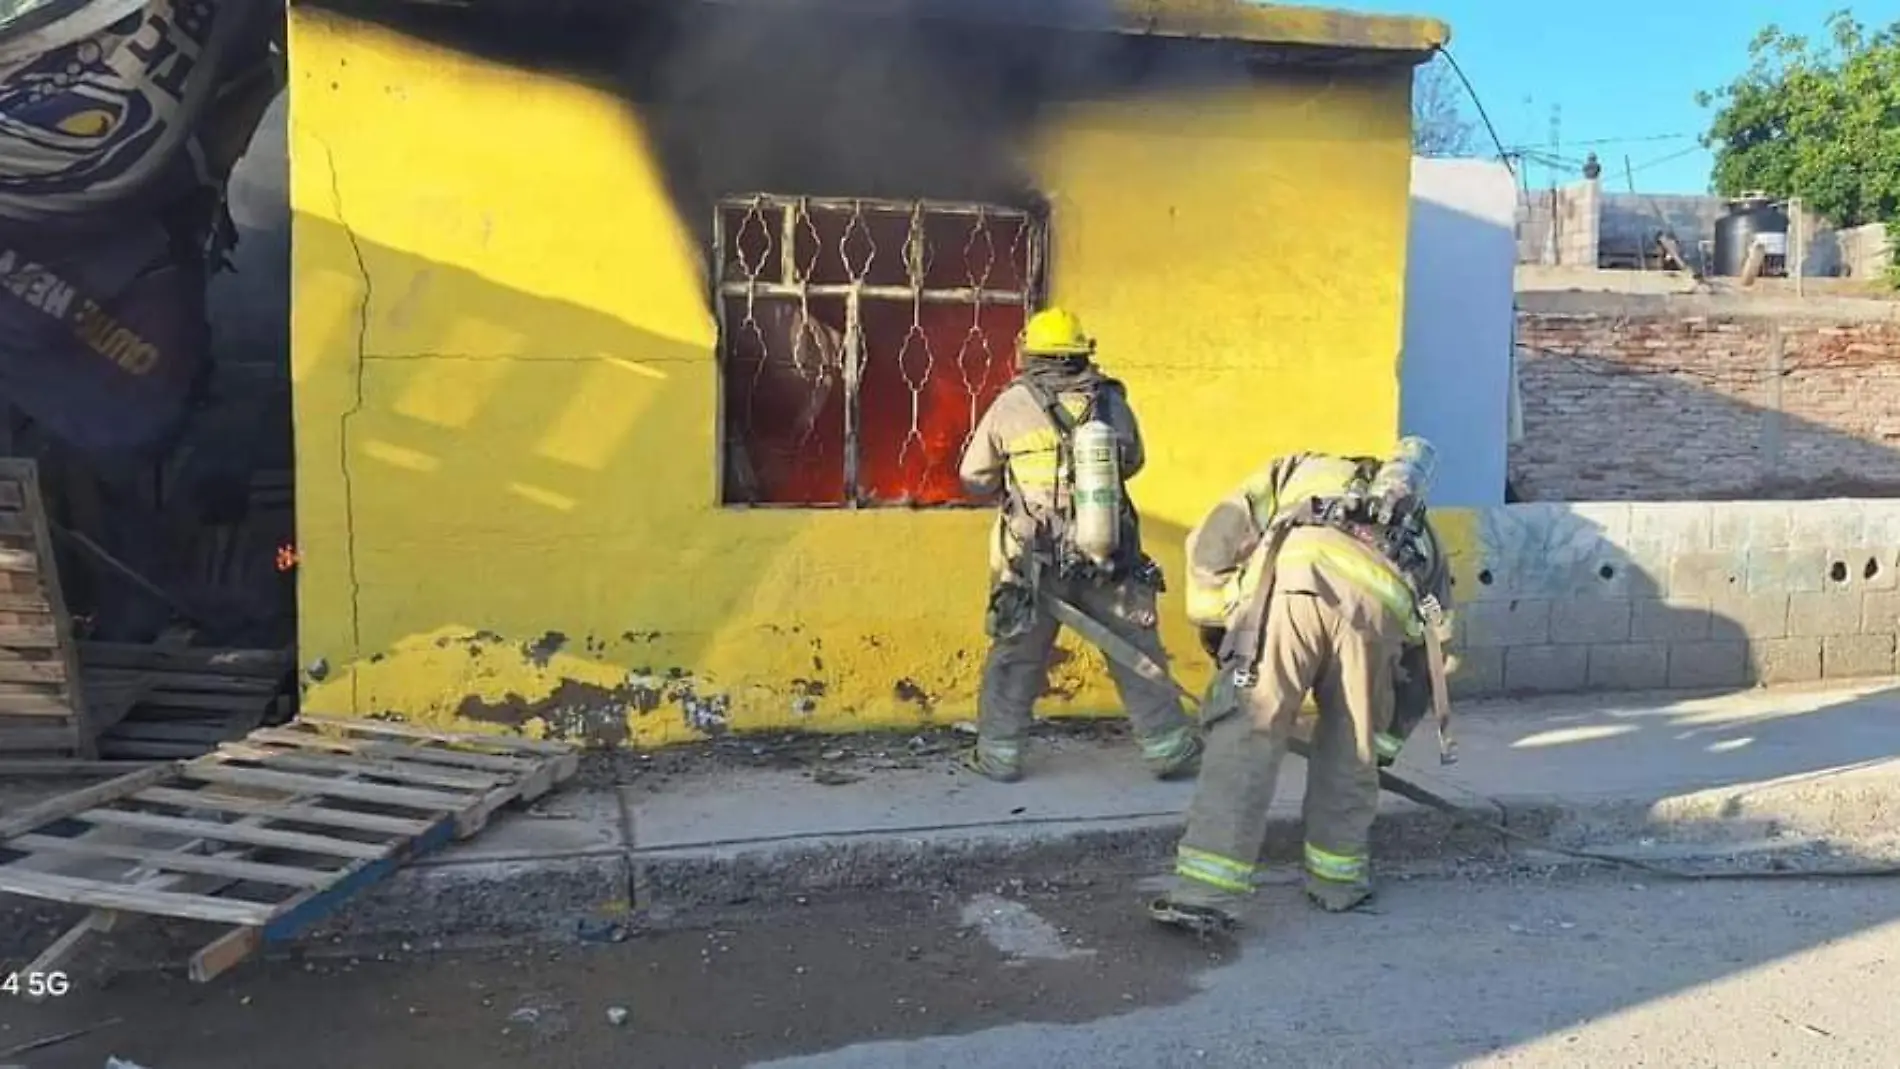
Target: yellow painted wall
[(505, 392)]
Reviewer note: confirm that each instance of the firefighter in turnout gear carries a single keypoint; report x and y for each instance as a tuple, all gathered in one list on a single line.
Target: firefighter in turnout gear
[(1058, 444), (1321, 575)]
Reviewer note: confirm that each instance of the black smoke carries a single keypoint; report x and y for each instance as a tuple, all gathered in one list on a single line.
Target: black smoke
[(853, 98)]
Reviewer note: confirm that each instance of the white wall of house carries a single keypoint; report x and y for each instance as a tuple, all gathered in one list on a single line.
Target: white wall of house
[(1455, 379)]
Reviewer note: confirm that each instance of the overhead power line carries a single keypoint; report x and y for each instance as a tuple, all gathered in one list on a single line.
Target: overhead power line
[(1658, 161), (1614, 141), (1504, 156)]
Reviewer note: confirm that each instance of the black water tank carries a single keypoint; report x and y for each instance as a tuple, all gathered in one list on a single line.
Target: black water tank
[(1751, 220)]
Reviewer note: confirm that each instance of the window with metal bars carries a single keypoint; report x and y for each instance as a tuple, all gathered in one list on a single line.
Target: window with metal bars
[(860, 340)]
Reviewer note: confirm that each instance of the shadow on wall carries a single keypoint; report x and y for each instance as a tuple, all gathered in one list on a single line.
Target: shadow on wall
[(480, 438), (1548, 604), (1455, 377), (1697, 409), (560, 435)]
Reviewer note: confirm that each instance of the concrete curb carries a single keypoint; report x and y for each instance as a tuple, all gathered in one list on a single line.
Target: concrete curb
[(674, 883), (1848, 813), (591, 893)]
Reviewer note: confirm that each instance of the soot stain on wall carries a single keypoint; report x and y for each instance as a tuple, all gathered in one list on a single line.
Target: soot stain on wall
[(597, 715), (892, 100)]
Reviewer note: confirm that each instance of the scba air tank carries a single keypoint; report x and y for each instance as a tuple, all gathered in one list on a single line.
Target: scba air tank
[(1098, 491), (1405, 479)]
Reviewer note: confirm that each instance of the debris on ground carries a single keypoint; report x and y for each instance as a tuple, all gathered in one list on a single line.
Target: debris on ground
[(55, 1040), (831, 760)]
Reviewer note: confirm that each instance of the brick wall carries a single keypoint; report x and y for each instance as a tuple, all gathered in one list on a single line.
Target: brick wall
[(1669, 398), (1696, 596)]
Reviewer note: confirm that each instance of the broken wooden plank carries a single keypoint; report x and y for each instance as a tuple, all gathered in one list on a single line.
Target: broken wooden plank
[(181, 682), (206, 659), (53, 958), (17, 700), (176, 861), (208, 770), (107, 706), (307, 908), (73, 767), (206, 733), (163, 699), (30, 636), (108, 896), (292, 917), (17, 669), (151, 749), (290, 813), (224, 953), (37, 740), (403, 772), (74, 802), (33, 503), (405, 731), (34, 602), (290, 736), (235, 833)]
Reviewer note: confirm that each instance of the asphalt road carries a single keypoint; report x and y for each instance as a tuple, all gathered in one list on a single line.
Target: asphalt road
[(1497, 970)]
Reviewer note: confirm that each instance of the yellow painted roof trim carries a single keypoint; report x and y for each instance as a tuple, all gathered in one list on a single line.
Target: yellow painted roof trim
[(1284, 24)]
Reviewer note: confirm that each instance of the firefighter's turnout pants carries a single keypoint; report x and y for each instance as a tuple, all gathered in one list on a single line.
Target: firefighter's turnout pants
[(1017, 672), (1337, 639)]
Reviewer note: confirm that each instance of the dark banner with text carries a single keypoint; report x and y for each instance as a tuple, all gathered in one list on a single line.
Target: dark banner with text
[(100, 342)]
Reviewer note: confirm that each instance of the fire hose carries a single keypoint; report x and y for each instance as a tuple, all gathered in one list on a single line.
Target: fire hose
[(1125, 653)]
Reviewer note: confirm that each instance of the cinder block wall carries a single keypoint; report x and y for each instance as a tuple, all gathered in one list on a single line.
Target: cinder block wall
[(1557, 598), (1630, 221), (1573, 210)]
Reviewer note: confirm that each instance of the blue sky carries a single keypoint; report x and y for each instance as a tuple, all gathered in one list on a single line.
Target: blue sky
[(1624, 72)]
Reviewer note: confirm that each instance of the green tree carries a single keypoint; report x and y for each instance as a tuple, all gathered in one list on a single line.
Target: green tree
[(1820, 121), (1439, 126)]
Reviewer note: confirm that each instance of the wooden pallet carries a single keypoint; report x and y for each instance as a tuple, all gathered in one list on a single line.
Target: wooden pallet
[(179, 702), (270, 834), (42, 712)]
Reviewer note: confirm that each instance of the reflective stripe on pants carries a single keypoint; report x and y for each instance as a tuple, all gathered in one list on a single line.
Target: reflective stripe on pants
[(1000, 751), (1338, 868), (1221, 873), (1387, 746), (1169, 744), (1310, 645)]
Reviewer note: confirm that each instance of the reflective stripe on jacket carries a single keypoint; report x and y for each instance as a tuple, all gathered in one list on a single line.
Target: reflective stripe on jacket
[(1224, 550), (1015, 445)]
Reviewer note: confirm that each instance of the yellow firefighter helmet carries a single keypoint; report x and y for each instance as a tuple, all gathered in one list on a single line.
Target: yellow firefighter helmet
[(1055, 332)]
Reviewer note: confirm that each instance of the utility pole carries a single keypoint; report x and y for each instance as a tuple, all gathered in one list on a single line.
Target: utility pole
[(1556, 142)]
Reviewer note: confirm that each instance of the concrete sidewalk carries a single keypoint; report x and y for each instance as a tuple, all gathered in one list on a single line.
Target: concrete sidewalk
[(1813, 771)]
